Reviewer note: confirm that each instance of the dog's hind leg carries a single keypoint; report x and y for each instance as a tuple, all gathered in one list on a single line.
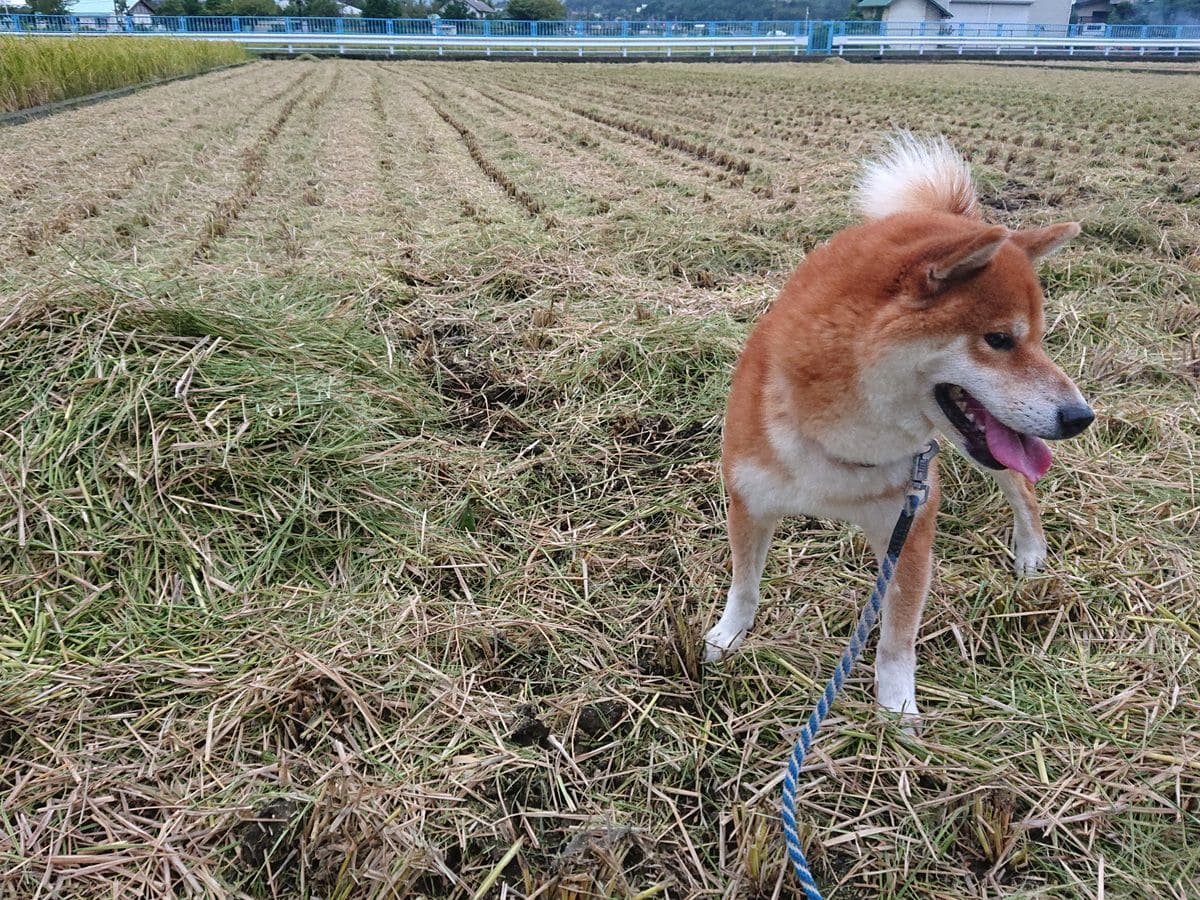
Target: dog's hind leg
[(896, 654), (749, 539), (1029, 541)]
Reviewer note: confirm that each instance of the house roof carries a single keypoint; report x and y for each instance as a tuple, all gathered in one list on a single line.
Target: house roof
[(480, 7), (884, 4)]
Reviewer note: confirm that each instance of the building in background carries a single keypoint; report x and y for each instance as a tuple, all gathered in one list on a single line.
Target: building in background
[(142, 10), (1012, 12), (1092, 11), (904, 10), (972, 12)]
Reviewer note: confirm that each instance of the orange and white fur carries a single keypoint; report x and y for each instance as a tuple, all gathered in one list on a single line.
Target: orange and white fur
[(922, 320)]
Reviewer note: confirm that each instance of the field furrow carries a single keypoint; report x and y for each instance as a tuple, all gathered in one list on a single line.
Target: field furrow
[(503, 179), (577, 179), (629, 162), (558, 172), (679, 155), (431, 166), (255, 165), (264, 222), (672, 120), (119, 166), (169, 219), (307, 167), (134, 223), (50, 156), (329, 208)]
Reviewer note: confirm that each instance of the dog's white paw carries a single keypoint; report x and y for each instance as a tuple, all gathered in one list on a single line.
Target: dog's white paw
[(721, 641), (909, 716), (1030, 557), (909, 721), (895, 689), (903, 706)]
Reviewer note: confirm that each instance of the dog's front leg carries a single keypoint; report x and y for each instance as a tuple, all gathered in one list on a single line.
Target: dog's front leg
[(749, 539), (896, 655), (1029, 541)]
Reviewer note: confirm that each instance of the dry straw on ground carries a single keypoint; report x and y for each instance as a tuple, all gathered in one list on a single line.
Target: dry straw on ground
[(361, 512)]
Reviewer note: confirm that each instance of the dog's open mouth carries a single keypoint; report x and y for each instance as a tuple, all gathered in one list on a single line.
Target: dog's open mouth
[(990, 442)]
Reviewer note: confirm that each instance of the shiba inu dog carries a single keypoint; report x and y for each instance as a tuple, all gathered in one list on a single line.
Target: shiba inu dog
[(922, 320)]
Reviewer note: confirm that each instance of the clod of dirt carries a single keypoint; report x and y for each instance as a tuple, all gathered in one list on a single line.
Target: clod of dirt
[(269, 841), (656, 662), (529, 710), (529, 729), (598, 719)]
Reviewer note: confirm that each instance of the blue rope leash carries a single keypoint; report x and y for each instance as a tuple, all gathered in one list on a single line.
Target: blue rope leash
[(918, 493)]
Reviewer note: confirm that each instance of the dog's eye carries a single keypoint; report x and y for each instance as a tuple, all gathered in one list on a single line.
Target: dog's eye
[(998, 340)]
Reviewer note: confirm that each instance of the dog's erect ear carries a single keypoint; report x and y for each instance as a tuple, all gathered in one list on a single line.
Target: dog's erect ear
[(965, 256), (1039, 242)]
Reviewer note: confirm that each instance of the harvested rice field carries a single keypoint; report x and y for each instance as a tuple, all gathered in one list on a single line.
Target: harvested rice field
[(361, 514)]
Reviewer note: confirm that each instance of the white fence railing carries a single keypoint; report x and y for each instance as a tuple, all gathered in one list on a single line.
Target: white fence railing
[(1012, 46), (298, 42)]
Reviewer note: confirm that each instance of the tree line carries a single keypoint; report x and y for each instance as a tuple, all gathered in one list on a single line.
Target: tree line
[(1185, 12), (696, 10), (372, 9), (710, 10)]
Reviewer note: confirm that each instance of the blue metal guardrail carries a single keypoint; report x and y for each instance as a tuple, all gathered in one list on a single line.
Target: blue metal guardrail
[(820, 31)]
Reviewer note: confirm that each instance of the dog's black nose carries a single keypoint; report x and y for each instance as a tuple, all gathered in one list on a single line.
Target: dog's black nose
[(1074, 419)]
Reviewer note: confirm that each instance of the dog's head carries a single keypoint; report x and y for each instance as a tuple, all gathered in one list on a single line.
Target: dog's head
[(972, 323)]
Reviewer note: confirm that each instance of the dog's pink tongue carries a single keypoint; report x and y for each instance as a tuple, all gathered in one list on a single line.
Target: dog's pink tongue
[(1022, 453)]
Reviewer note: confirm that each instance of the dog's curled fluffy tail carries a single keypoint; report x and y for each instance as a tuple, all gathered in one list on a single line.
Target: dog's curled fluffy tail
[(916, 175)]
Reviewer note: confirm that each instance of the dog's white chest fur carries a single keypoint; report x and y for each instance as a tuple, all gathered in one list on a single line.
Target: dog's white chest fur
[(807, 481)]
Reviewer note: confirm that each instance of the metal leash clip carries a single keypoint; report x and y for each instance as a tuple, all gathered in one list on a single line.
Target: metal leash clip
[(918, 487)]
